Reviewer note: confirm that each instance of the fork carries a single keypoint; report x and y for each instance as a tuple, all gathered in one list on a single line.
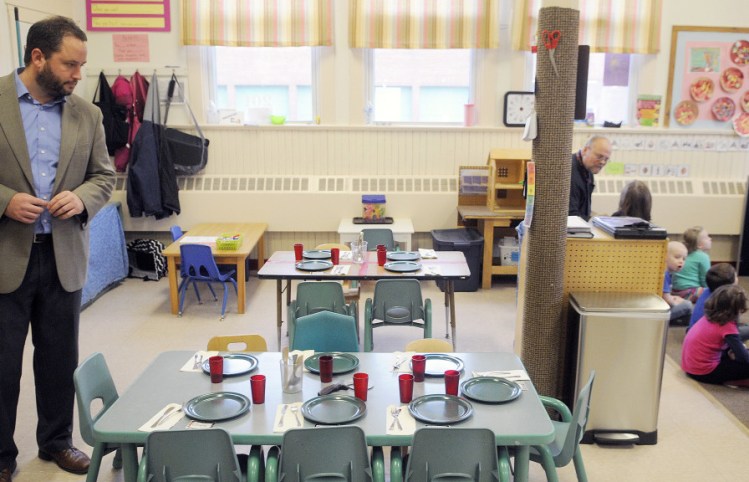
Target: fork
[(295, 411), (198, 358), (394, 412), (398, 362)]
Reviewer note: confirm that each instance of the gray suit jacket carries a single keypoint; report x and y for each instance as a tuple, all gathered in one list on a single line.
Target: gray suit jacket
[(84, 167)]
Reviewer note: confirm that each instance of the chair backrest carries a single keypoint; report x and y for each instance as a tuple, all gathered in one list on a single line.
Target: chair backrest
[(342, 247), (197, 262), (325, 331), (324, 454), (452, 455), (316, 296), (375, 236), (433, 345), (247, 342), (93, 382), (176, 232), (579, 420), (398, 301), (190, 455)]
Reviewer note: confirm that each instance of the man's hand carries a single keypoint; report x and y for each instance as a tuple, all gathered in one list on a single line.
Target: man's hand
[(25, 208), (65, 205)]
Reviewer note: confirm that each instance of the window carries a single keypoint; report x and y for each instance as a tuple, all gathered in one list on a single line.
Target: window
[(611, 95), (278, 79), (421, 85)]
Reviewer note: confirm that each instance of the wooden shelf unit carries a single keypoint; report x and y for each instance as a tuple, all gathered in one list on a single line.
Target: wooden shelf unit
[(506, 176)]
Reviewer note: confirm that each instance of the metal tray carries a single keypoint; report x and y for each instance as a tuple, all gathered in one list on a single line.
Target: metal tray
[(212, 407), (439, 409), (316, 254), (385, 220), (314, 265), (490, 389), (234, 364), (402, 266), (342, 362), (333, 409)]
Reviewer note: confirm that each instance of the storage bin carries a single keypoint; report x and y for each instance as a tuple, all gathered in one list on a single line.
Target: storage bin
[(471, 243), (373, 206)]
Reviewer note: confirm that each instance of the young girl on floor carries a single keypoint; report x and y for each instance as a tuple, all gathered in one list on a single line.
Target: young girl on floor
[(690, 281), (712, 351)]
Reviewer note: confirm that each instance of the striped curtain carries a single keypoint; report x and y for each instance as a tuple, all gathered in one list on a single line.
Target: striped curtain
[(257, 23), (613, 26), (424, 24)]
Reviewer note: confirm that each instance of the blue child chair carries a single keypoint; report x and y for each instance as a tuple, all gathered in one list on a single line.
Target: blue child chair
[(198, 265)]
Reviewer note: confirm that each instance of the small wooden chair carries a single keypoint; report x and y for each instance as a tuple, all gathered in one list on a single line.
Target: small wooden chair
[(250, 342), (429, 345)]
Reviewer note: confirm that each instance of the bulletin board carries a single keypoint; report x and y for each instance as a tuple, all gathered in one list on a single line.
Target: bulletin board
[(708, 79)]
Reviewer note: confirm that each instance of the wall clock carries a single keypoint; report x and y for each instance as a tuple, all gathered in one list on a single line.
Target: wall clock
[(518, 106)]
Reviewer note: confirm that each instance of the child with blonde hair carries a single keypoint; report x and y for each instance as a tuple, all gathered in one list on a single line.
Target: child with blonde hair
[(713, 351), (690, 282), (681, 309)]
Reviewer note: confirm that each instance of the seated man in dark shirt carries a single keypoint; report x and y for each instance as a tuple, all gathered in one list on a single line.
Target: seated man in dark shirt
[(585, 163)]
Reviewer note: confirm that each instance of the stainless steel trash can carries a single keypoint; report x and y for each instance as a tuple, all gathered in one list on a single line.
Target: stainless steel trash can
[(622, 336)]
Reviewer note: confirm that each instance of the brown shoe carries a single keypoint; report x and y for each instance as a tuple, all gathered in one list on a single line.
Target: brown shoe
[(6, 475), (70, 459)]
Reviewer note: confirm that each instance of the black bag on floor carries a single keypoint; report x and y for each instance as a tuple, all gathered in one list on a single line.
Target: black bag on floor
[(145, 259)]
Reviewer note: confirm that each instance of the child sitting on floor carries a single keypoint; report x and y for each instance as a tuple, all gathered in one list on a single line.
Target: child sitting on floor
[(718, 275), (681, 309), (690, 281), (712, 351)]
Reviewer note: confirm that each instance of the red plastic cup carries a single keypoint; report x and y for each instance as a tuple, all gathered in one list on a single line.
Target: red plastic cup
[(406, 387), (452, 377), (298, 251), (381, 257), (216, 364), (361, 385), (326, 368), (335, 255), (381, 247), (257, 386), (418, 366)]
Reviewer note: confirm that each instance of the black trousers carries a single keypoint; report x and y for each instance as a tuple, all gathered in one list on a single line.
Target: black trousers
[(53, 315)]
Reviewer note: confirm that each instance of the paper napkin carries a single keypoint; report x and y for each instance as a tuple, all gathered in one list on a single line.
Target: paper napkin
[(402, 362), (429, 269), (407, 423), (202, 356), (286, 419), (302, 353), (427, 253), (164, 419), (346, 255), (340, 269)]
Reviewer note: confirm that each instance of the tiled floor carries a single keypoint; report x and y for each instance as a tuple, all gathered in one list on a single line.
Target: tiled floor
[(698, 441)]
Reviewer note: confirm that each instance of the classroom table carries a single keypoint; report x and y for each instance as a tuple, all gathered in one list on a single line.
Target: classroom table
[(447, 266), (253, 235), (520, 423)]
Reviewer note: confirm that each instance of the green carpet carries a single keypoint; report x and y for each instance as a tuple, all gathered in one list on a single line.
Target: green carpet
[(734, 400)]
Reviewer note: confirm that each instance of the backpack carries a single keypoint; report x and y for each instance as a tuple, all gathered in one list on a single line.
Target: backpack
[(145, 259), (115, 116)]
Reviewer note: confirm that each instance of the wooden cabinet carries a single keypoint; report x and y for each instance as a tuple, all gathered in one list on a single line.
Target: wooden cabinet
[(506, 175)]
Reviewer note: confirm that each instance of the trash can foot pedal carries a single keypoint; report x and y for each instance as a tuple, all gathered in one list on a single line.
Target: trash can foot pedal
[(620, 438)]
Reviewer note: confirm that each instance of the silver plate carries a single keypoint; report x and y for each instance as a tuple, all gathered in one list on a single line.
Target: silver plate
[(314, 265), (404, 255), (234, 364), (438, 363), (402, 266), (212, 407), (490, 389), (342, 362), (316, 254), (440, 409), (333, 409)]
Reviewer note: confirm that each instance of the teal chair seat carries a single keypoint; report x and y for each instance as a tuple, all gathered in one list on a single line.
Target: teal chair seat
[(325, 331), (375, 236), (315, 296), (396, 302)]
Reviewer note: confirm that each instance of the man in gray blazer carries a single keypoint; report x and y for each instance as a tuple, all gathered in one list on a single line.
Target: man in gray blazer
[(55, 175)]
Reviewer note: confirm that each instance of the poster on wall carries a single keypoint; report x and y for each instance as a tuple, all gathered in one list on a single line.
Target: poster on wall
[(128, 16), (708, 85)]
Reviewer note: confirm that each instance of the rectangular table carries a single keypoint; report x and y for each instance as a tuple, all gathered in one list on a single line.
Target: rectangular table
[(448, 266), (520, 423), (253, 236)]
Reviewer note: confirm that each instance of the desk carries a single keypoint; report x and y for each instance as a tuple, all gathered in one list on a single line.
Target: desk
[(448, 266), (520, 423), (253, 235), (402, 229), (488, 220)]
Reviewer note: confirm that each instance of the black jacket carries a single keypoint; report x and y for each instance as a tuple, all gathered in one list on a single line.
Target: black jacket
[(581, 188)]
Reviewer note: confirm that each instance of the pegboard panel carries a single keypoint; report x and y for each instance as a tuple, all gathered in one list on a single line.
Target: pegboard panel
[(607, 264)]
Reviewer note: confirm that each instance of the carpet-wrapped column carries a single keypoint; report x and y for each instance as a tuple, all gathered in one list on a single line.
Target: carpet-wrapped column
[(545, 336)]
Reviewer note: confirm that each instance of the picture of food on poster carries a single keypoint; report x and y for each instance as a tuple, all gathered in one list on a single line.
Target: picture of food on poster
[(709, 79)]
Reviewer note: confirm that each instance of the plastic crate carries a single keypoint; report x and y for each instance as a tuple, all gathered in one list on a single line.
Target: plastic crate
[(468, 241), (229, 242)]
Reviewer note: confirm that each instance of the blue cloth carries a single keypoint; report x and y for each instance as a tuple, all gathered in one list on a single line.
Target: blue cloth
[(107, 260), (667, 282), (43, 126), (699, 307)]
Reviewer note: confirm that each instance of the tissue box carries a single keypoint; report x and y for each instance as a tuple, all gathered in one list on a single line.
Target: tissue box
[(373, 206), (508, 251)]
